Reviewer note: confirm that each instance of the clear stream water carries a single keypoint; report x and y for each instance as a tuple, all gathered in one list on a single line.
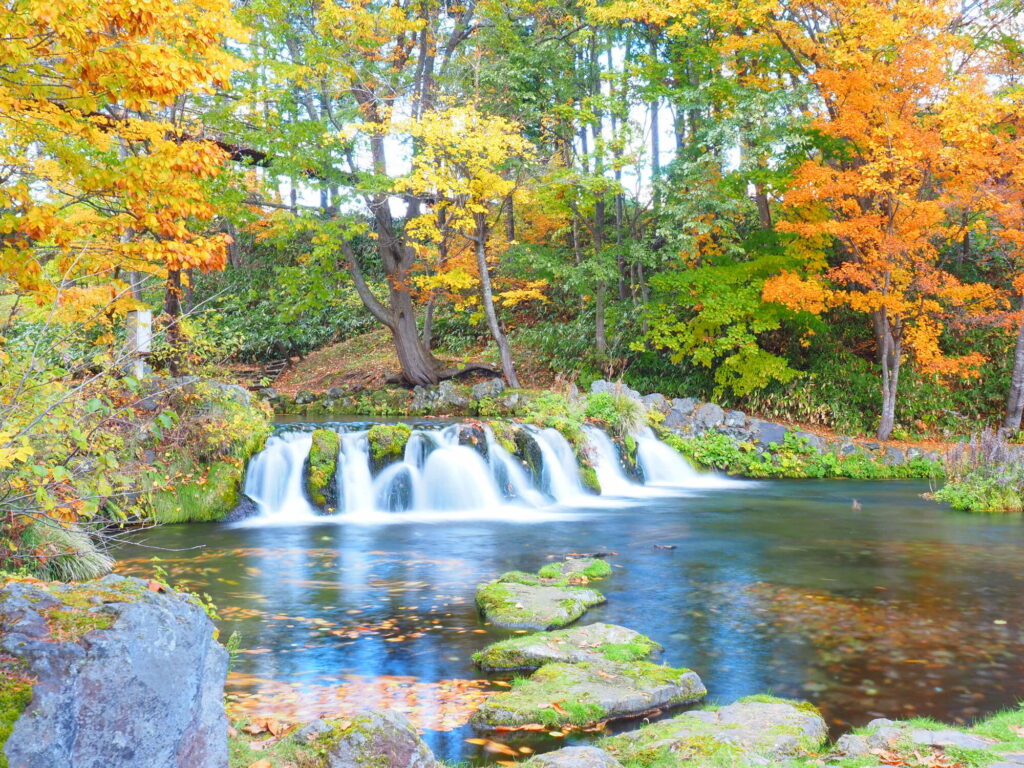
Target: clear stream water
[(898, 608)]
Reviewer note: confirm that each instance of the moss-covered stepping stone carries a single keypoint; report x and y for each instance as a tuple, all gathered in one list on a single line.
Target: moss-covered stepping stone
[(528, 606), (757, 730), (579, 568), (592, 642), (584, 694)]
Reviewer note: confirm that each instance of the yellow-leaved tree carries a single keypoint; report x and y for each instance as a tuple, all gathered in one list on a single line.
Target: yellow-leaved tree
[(467, 169), (102, 175)]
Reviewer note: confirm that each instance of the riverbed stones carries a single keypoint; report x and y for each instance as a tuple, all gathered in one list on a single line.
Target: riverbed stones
[(574, 757), (590, 643), (530, 606), (588, 693), (379, 739), (758, 730), (122, 677)]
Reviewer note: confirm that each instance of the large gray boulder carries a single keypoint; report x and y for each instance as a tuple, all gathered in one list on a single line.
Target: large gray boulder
[(708, 416), (379, 740), (767, 432), (615, 387), (680, 415), (656, 401), (486, 389), (122, 677)]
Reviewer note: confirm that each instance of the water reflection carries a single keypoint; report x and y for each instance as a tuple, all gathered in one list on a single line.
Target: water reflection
[(897, 609)]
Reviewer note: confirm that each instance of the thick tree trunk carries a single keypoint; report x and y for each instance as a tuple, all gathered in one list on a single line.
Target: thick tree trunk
[(487, 297), (1015, 398)]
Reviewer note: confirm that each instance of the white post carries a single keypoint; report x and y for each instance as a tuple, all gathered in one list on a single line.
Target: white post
[(140, 341)]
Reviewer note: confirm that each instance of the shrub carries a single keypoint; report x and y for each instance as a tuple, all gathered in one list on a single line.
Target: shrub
[(620, 413), (983, 475)]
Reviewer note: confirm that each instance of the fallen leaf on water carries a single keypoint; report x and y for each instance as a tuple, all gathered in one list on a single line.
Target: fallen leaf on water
[(478, 742), (496, 747)]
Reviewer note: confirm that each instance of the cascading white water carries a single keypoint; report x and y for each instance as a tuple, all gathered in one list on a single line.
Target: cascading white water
[(661, 465), (560, 476), (439, 474), (610, 475), (354, 478), (274, 478), (513, 481)]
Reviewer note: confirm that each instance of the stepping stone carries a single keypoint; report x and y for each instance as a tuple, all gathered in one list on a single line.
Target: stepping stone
[(574, 757), (588, 693), (757, 730), (576, 567), (950, 738), (537, 607), (592, 642)]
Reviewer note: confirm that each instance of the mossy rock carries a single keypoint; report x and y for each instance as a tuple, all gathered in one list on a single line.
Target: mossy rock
[(387, 443), (198, 495), (514, 605), (528, 451), (593, 642), (321, 466), (505, 434), (588, 693), (757, 730), (576, 567)]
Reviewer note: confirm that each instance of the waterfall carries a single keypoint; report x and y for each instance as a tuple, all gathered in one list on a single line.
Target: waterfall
[(513, 481), (610, 474), (559, 472), (662, 465), (275, 478), (438, 474)]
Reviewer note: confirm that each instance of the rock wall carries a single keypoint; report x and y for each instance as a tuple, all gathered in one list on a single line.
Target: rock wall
[(689, 417), (120, 677)]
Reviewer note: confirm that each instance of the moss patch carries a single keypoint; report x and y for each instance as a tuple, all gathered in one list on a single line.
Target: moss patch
[(196, 495), (387, 441), (591, 568), (321, 465), (70, 624), (523, 606)]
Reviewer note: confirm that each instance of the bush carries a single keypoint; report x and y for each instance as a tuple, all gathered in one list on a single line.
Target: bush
[(983, 475), (621, 414), (794, 458)]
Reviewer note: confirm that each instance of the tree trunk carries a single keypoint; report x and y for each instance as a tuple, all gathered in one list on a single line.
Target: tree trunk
[(1015, 398), (487, 297), (172, 308), (890, 355)]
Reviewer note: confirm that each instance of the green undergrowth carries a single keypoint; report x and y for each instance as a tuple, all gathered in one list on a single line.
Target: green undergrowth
[(794, 458), (68, 554)]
